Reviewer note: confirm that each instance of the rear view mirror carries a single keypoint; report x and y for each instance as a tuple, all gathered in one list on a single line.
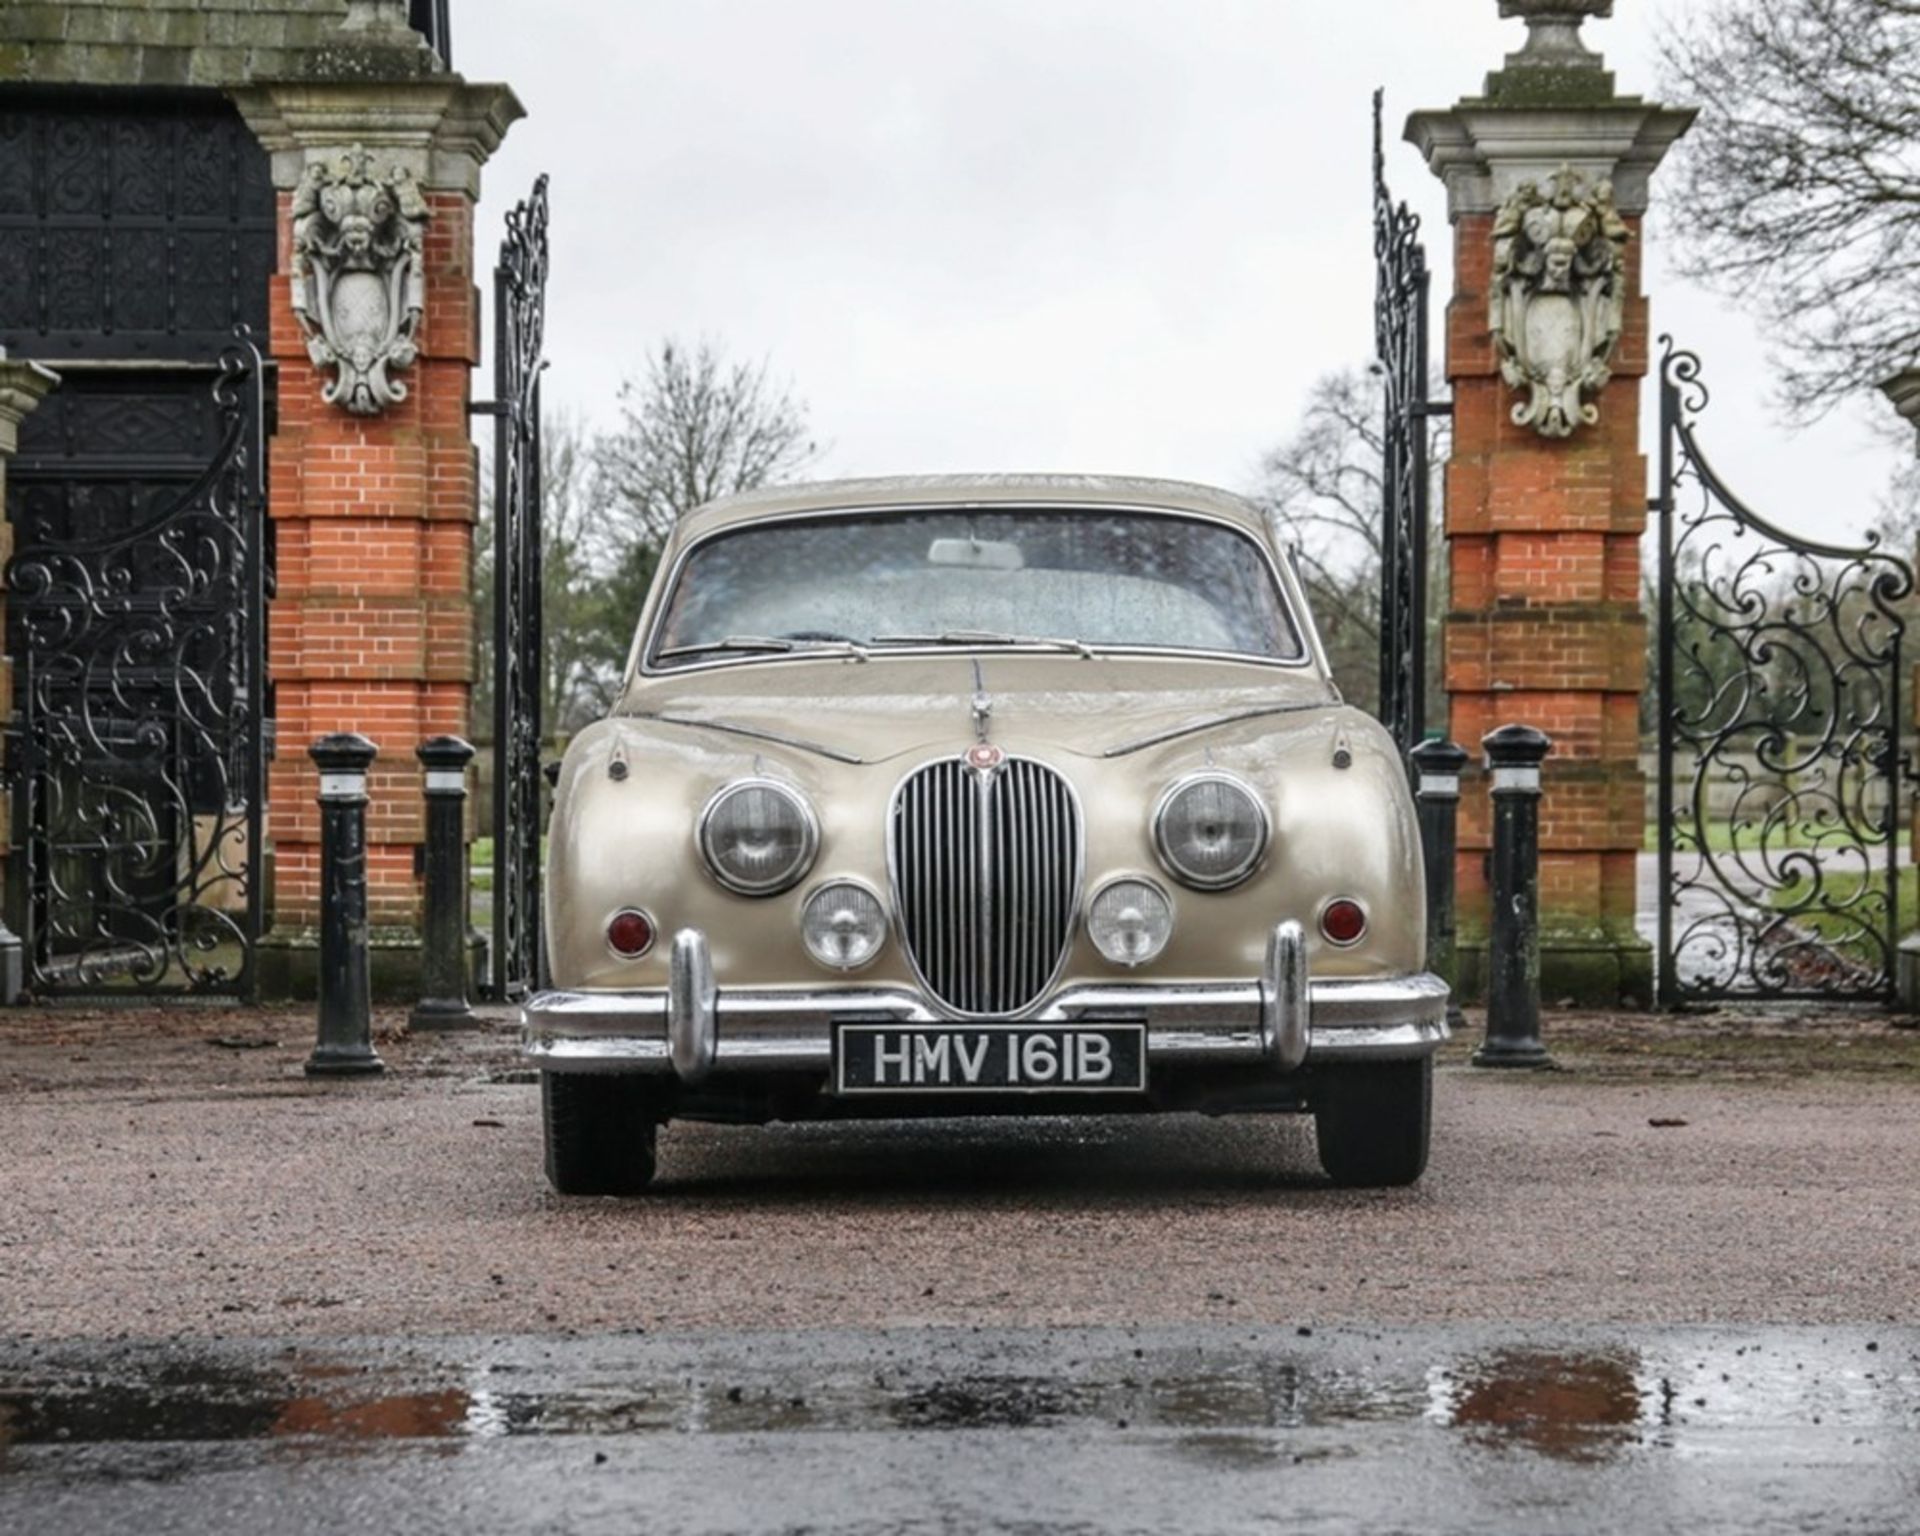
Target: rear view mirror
[(976, 554)]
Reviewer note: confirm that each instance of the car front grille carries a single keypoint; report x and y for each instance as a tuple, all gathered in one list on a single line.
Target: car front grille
[(986, 870)]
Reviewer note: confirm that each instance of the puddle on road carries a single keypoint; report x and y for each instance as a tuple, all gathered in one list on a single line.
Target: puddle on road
[(1229, 1403), (1569, 1407)]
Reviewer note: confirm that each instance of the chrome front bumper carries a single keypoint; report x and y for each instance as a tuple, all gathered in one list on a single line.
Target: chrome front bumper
[(1284, 1019)]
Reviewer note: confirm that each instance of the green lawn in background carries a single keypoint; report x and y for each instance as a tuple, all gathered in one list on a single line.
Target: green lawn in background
[(480, 862)]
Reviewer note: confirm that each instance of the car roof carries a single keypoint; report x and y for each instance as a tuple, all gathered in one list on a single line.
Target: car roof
[(1063, 491)]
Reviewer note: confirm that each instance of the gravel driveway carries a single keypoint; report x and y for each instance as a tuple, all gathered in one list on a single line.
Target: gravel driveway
[(1724, 1170)]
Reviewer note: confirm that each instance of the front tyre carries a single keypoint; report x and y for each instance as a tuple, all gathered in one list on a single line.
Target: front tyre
[(1373, 1124), (600, 1130)]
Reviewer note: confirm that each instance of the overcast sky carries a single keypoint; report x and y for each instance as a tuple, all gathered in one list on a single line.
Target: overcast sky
[(1102, 235)]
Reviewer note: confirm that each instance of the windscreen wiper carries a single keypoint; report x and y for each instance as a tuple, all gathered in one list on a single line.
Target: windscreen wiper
[(987, 637), (766, 643), (730, 643)]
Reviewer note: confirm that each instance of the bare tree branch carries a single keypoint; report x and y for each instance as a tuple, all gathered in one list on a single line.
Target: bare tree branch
[(693, 427), (1323, 486), (1799, 188)]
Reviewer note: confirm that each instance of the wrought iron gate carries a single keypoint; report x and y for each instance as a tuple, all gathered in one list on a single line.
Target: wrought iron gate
[(519, 308), (1401, 286), (136, 610), (1779, 722)]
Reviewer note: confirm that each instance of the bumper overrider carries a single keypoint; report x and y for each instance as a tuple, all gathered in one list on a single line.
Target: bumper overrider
[(1284, 1019)]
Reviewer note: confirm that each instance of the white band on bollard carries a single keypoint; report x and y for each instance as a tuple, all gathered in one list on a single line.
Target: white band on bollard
[(1516, 778), (1439, 783), (342, 786), (446, 779)]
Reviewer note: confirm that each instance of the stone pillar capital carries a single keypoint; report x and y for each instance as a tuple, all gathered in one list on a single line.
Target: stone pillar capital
[(440, 129), (1903, 389), (1553, 105), (1485, 152), (23, 385)]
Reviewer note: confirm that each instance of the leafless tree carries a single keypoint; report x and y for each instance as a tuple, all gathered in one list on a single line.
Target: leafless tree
[(694, 428), (583, 651), (1799, 187), (1323, 486)]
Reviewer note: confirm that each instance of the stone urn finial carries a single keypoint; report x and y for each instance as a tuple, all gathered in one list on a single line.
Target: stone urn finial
[(1553, 33)]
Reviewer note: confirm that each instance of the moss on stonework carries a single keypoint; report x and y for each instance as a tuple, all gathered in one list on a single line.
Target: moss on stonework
[(1584, 969), (289, 964), (171, 44), (1546, 86), (367, 62), (34, 23)]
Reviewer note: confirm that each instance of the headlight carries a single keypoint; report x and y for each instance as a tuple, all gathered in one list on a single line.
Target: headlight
[(844, 925), (1211, 831), (758, 836), (1129, 921)]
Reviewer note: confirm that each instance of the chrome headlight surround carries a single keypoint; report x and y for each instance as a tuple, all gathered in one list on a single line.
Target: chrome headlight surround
[(824, 892), (784, 879), (1256, 812)]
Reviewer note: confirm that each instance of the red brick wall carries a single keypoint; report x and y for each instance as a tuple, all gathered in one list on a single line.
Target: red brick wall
[(371, 628), (1545, 625)]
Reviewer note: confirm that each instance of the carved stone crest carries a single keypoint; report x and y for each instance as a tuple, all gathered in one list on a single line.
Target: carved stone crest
[(1558, 298), (359, 285)]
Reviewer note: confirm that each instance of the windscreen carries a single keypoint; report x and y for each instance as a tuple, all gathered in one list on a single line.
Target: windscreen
[(963, 576)]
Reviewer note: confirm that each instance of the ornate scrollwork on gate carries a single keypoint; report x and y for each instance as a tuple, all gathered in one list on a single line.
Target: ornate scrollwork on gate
[(358, 278), (1401, 286), (1780, 715), (520, 307), (139, 665)]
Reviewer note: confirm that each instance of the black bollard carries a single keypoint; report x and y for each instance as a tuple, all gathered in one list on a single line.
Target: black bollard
[(1438, 764), (1514, 755), (345, 1044), (443, 949)]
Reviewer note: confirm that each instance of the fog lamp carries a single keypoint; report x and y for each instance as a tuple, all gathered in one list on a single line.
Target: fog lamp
[(844, 925), (1129, 921)]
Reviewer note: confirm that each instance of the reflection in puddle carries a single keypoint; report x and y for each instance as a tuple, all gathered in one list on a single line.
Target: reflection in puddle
[(1570, 1407), (1013, 1404), (408, 1416), (1233, 1403), (347, 1406)]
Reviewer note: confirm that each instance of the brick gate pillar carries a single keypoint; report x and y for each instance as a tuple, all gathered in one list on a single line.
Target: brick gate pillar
[(1547, 181), (23, 385), (372, 493)]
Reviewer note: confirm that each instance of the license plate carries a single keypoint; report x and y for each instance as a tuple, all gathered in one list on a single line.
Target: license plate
[(1003, 1058)]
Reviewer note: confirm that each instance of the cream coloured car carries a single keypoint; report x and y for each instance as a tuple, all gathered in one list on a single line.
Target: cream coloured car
[(985, 795)]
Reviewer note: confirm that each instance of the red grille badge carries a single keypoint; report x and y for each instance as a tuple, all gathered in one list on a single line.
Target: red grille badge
[(985, 757)]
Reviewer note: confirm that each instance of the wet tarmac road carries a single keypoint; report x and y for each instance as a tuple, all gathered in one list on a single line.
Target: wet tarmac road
[(1183, 1428)]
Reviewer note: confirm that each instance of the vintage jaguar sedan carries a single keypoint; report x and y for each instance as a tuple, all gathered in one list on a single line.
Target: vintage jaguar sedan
[(951, 796)]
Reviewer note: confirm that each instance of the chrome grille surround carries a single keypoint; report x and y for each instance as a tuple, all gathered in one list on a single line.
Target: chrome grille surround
[(986, 869)]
